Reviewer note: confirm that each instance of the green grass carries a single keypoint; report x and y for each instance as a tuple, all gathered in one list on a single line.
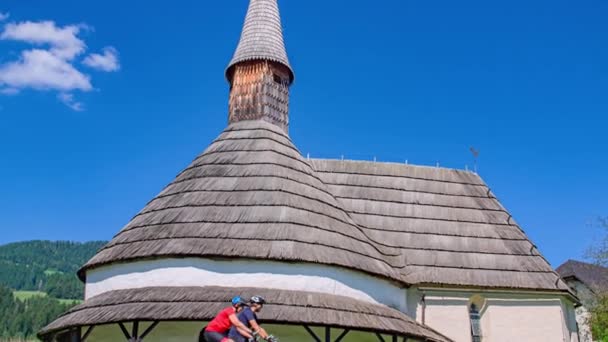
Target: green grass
[(25, 295), (70, 301)]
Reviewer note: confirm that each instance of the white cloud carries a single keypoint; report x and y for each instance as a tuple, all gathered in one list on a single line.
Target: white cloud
[(4, 16), (50, 65), (63, 40), (43, 70), (68, 100), (107, 62)]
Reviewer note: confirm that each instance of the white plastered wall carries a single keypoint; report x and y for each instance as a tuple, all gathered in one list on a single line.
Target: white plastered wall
[(526, 320), (245, 273), (449, 316), (570, 320), (505, 317)]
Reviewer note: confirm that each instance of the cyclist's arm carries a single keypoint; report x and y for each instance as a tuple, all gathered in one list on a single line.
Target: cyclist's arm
[(255, 327), (244, 333)]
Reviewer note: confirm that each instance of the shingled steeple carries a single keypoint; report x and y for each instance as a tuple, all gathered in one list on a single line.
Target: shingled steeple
[(260, 73)]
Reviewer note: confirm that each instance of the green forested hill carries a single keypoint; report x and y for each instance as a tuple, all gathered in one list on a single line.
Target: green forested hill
[(45, 266), (22, 319), (36, 278)]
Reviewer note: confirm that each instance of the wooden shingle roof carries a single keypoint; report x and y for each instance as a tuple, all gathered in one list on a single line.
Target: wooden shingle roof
[(448, 225), (252, 195), (594, 276), (203, 303), (262, 36)]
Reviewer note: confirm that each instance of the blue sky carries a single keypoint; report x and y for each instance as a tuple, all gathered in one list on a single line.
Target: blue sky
[(524, 82)]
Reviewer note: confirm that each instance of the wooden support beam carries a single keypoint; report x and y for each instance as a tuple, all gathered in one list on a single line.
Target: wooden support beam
[(327, 334), (312, 333), (124, 331), (87, 333), (342, 335), (380, 338), (395, 338), (149, 330), (135, 333)]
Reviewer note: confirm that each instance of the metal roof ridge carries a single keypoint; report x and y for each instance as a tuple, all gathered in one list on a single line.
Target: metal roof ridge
[(379, 162)]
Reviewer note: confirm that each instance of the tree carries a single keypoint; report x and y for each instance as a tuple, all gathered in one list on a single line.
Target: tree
[(599, 310), (46, 266), (24, 319), (599, 319), (599, 252), (65, 286)]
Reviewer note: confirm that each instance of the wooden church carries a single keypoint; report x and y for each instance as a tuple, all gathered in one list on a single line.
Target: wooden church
[(342, 250)]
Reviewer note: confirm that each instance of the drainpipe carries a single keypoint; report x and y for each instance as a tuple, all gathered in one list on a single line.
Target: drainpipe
[(423, 306)]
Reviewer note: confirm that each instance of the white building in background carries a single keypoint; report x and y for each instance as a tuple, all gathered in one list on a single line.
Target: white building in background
[(588, 281), (427, 254)]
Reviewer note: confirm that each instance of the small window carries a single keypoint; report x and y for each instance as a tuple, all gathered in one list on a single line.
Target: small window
[(475, 318)]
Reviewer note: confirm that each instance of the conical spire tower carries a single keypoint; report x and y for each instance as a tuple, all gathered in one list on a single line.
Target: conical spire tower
[(259, 72)]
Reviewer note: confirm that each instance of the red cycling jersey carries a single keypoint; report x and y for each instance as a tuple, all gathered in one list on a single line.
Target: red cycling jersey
[(221, 323)]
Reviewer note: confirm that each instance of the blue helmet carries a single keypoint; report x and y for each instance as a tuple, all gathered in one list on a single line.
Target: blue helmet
[(237, 301)]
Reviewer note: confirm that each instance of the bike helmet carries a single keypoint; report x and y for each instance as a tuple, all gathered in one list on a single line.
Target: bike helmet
[(258, 300), (238, 301)]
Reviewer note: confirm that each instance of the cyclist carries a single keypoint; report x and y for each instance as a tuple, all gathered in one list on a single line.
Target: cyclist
[(248, 317), (217, 330)]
